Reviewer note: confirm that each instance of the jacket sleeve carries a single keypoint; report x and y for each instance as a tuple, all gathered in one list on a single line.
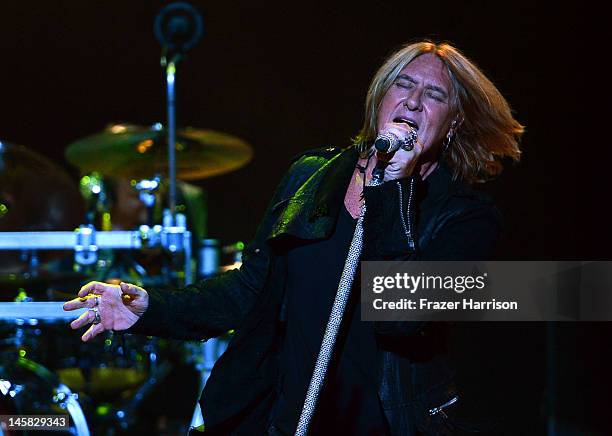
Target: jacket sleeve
[(466, 229), (213, 306)]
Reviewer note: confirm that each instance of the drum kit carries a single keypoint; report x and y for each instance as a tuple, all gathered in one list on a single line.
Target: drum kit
[(44, 217), (133, 216)]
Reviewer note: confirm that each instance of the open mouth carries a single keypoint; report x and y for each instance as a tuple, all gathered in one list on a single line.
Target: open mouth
[(403, 120)]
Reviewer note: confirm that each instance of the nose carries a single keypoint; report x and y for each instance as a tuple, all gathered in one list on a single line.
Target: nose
[(413, 101)]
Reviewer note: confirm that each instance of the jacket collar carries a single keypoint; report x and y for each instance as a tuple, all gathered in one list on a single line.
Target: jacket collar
[(311, 212)]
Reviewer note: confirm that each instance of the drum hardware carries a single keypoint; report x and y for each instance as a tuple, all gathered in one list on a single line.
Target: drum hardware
[(86, 250), (126, 413), (35, 195), (27, 387), (136, 153), (210, 254), (174, 231), (64, 397), (30, 258), (94, 191), (114, 370), (208, 258), (178, 28), (116, 239), (6, 388), (32, 312), (86, 241), (26, 315), (146, 192)]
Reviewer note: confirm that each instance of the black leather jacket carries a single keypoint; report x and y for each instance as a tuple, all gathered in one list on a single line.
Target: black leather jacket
[(449, 221)]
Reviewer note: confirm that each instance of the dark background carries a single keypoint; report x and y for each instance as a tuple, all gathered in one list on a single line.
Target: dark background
[(291, 76)]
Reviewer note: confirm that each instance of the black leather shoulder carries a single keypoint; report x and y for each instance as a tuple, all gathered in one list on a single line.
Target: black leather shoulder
[(324, 152), (302, 167), (457, 189)]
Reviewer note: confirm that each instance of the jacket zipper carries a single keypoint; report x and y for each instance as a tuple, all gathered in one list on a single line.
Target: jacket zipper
[(406, 223), (440, 409)]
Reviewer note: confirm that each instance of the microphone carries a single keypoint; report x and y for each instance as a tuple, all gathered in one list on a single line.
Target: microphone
[(390, 143)]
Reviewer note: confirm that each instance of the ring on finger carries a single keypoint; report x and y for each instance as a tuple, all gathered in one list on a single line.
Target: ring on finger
[(408, 142), (407, 145), (97, 300), (97, 319)]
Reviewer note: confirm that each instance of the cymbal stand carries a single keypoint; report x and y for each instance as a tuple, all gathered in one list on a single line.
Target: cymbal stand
[(175, 237), (178, 27), (146, 193), (171, 125)]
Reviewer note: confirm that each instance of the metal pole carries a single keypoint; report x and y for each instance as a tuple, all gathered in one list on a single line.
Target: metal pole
[(171, 122), (187, 260)]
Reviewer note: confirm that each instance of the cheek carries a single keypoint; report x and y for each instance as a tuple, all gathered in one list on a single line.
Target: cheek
[(438, 121), (387, 106), (383, 114)]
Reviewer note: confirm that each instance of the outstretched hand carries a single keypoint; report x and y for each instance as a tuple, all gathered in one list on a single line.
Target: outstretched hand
[(118, 307)]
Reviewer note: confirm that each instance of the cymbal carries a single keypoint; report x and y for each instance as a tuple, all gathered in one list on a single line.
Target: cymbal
[(138, 152)]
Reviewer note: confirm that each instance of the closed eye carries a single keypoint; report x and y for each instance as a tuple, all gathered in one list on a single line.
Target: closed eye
[(436, 96), (403, 85)]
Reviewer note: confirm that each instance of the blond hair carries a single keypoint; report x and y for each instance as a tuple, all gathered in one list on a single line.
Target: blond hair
[(487, 131)]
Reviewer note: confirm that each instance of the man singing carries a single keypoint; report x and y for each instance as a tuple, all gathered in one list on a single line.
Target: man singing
[(384, 377)]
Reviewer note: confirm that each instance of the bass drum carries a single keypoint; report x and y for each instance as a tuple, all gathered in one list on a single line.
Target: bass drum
[(27, 388)]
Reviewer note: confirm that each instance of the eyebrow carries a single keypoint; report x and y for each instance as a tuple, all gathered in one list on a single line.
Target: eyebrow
[(432, 87)]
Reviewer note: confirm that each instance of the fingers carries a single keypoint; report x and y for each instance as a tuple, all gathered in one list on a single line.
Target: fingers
[(74, 304), (130, 289), (88, 293), (85, 318), (399, 129), (404, 157), (88, 288), (93, 331), (105, 296), (88, 302), (95, 287), (402, 132), (402, 163), (131, 293)]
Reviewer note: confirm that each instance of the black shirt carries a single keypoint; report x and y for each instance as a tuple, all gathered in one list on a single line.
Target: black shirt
[(348, 403)]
